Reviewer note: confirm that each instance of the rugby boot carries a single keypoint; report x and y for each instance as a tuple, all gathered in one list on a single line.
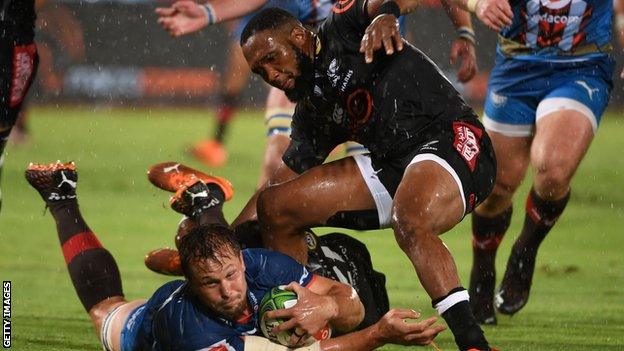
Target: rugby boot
[(171, 176), (481, 290), (210, 152), (54, 182), (167, 261), (164, 261), (513, 292), (195, 197)]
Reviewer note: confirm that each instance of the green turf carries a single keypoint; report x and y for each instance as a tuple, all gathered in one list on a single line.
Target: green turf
[(577, 301)]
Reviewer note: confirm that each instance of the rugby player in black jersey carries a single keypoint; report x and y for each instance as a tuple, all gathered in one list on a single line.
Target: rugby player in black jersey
[(430, 160), (18, 62)]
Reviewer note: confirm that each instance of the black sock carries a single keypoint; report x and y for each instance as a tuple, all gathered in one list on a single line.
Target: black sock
[(487, 234), (214, 213), (541, 216), (92, 268), (461, 321), (227, 108)]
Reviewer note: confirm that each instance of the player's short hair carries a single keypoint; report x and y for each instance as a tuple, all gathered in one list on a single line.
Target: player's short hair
[(207, 243), (270, 18)]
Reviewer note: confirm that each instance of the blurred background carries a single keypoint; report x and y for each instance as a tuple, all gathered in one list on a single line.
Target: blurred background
[(114, 52)]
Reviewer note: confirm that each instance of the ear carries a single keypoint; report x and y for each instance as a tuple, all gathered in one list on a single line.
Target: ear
[(242, 260), (298, 36)]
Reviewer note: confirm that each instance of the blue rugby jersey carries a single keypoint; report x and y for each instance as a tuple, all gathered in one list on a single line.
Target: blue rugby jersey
[(173, 320), (545, 30)]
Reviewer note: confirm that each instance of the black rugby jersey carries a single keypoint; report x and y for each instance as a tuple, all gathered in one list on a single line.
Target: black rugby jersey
[(17, 20), (382, 105)]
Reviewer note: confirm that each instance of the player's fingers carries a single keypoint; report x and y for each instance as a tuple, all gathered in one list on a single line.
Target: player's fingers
[(281, 313), (298, 337), (398, 40), (403, 313), (295, 287), (454, 53), (364, 42), (289, 324), (506, 12), (164, 11), (387, 43)]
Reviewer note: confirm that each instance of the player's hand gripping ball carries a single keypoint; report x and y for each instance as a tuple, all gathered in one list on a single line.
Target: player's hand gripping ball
[(276, 299)]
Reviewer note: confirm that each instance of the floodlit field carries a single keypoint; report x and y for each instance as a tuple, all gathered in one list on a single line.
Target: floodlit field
[(577, 302)]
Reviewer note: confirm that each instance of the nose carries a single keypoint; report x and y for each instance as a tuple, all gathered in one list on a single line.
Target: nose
[(273, 75), (226, 291)]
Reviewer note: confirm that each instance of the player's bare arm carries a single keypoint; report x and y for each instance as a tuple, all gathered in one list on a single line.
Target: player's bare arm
[(395, 327), (323, 301), (463, 47), (186, 16), (495, 14)]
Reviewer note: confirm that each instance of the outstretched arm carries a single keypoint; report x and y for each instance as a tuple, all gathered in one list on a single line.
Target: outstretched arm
[(187, 16), (392, 328), (495, 14)]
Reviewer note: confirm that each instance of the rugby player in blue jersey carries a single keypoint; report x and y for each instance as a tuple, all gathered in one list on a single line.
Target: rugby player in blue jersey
[(216, 307), (547, 92)]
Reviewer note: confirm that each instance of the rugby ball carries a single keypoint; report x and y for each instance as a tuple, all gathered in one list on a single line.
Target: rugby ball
[(278, 298)]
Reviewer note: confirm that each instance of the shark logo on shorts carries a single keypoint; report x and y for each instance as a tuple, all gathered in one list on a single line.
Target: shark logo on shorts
[(589, 89)]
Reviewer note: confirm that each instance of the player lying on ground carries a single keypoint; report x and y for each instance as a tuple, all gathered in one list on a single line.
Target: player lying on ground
[(546, 94), (184, 17), (336, 256), (431, 161), (215, 308)]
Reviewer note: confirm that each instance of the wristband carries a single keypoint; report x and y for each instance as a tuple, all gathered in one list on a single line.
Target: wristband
[(210, 13), (390, 8), (472, 5), (467, 33)]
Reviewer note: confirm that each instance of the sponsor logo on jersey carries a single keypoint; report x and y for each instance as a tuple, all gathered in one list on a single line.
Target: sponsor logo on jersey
[(359, 108)]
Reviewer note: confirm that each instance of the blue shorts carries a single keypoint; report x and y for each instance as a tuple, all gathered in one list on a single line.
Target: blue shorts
[(521, 92)]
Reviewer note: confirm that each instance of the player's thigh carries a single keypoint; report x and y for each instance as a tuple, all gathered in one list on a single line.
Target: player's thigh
[(561, 141), (567, 118), (317, 195), (114, 323), (428, 199), (445, 181)]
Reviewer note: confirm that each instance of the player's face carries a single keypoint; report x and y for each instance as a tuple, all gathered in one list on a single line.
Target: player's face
[(274, 56), (221, 286)]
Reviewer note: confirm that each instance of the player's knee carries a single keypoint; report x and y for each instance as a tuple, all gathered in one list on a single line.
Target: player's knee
[(552, 180), (272, 209), (411, 230)]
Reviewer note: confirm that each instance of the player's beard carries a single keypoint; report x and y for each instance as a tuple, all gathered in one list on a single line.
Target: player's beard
[(304, 83)]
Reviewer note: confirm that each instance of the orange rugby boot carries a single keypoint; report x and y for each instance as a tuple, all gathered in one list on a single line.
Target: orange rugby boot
[(172, 176), (164, 261), (210, 152)]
